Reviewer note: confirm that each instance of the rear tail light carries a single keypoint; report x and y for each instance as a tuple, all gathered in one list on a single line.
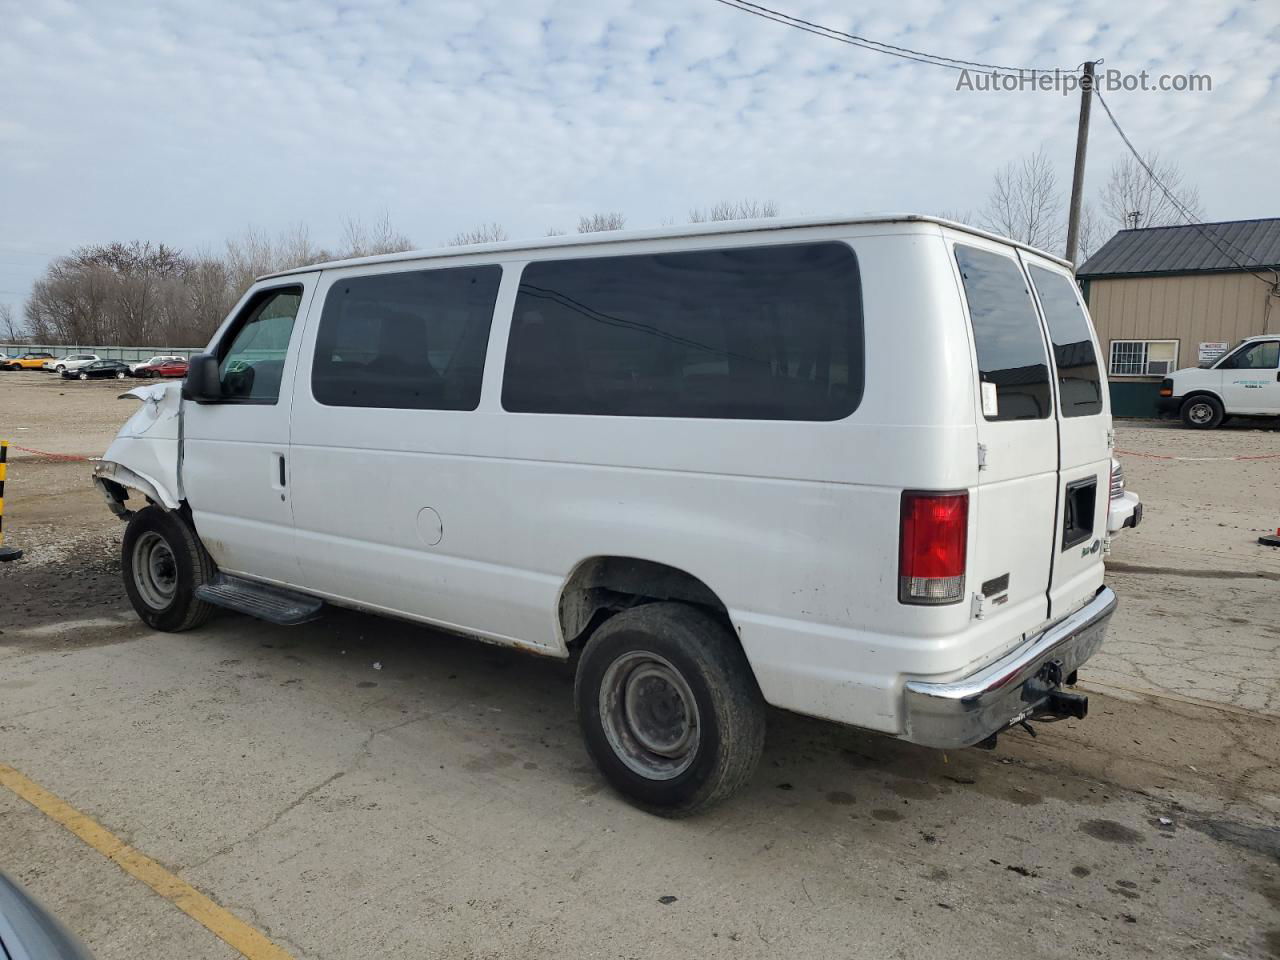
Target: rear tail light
[(935, 536)]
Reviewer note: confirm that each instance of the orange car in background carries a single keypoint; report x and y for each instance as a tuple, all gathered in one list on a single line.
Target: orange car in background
[(28, 361)]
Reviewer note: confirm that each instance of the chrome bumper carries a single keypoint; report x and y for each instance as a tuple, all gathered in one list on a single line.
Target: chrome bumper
[(968, 711)]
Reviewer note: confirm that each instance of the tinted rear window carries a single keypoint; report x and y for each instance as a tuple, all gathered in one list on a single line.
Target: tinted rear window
[(1006, 332), (411, 340), (1079, 383), (766, 333)]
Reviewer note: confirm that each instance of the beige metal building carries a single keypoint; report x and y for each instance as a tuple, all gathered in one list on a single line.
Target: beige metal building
[(1163, 298)]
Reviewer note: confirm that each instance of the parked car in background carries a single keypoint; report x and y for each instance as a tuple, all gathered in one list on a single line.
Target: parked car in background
[(72, 361), (1244, 382), (158, 359), (175, 367), (1124, 507), (680, 458), (27, 361), (97, 370)]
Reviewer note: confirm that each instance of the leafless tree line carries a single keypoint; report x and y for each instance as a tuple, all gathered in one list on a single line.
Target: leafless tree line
[(1028, 202), (144, 293), (615, 220)]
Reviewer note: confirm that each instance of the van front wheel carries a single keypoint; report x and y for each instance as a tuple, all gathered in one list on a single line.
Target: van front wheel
[(163, 562), (669, 708), (1203, 412)]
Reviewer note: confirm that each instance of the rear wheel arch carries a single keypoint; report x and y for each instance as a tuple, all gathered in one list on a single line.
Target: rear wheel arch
[(604, 585)]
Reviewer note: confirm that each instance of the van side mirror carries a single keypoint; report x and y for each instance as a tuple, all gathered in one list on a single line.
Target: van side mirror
[(203, 385)]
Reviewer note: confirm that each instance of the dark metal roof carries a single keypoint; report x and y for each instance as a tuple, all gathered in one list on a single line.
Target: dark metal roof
[(1189, 248)]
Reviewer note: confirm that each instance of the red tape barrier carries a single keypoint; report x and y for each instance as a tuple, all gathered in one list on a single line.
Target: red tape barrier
[(70, 457), (1161, 456)]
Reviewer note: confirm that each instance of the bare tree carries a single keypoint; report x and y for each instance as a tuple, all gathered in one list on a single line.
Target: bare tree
[(8, 325), (485, 233), (1092, 233), (959, 216), (554, 232), (734, 210), (1132, 199), (1025, 203), (378, 237), (601, 222)]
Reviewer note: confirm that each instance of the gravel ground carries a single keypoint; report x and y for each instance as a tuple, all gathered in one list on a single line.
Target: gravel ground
[(442, 806)]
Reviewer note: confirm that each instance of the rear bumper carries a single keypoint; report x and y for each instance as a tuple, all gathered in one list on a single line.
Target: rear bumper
[(968, 711), (1124, 511)]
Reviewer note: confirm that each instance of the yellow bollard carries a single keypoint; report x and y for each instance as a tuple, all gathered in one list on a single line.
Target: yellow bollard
[(6, 553)]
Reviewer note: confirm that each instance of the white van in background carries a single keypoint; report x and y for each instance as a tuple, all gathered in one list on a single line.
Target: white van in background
[(858, 469), (1244, 382)]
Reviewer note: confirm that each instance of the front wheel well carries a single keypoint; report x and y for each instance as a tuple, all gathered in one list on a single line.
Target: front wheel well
[(602, 586)]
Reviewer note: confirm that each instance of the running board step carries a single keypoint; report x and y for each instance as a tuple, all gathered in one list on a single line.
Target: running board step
[(272, 604)]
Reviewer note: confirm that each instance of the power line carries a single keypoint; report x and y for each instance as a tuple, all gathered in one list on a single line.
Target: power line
[(1178, 204), (875, 46)]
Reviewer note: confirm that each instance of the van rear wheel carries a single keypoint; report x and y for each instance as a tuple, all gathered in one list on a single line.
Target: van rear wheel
[(163, 562), (669, 708), (1203, 412)]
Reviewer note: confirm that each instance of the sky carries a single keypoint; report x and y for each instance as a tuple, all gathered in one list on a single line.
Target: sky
[(187, 121)]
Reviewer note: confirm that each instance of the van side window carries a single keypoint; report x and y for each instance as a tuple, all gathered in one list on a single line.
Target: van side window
[(253, 363), (409, 340), (1079, 384), (1006, 332), (754, 333)]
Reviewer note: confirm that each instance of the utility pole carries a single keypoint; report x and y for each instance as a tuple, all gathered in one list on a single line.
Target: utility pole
[(1082, 144)]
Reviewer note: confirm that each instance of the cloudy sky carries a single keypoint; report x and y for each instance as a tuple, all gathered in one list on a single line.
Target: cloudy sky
[(186, 121)]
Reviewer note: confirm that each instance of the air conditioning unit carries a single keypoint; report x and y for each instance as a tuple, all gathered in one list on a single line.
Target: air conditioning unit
[(1158, 368)]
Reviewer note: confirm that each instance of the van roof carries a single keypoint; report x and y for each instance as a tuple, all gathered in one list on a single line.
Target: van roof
[(661, 233)]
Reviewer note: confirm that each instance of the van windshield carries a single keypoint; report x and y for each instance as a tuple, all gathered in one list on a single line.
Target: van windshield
[(1080, 384)]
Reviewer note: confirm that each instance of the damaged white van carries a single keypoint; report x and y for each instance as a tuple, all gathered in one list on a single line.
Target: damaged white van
[(858, 469)]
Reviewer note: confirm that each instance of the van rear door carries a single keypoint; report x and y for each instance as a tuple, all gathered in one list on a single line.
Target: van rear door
[(1012, 534), (1084, 421)]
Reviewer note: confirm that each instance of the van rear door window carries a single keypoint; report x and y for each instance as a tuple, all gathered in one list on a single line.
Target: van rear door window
[(411, 340), (1006, 332), (755, 333), (1079, 383)]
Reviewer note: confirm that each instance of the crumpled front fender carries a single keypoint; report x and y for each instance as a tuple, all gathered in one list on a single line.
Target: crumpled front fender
[(144, 454)]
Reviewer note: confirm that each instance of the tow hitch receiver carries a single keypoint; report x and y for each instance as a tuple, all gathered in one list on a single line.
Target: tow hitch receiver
[(1064, 704)]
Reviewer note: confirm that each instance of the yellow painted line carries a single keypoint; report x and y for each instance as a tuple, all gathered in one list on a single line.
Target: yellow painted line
[(220, 922)]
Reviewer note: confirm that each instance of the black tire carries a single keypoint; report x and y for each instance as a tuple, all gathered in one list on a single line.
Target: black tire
[(642, 646), (60, 367), (1203, 412), (120, 374), (163, 562), (83, 376)]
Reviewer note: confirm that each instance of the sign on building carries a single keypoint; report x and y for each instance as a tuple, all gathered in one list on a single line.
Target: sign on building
[(1210, 352)]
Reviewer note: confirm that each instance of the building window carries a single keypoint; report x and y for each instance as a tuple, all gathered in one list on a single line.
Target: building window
[(1143, 358)]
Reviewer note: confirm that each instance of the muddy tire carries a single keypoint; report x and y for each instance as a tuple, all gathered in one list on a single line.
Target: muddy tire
[(1203, 412), (669, 708), (163, 562)]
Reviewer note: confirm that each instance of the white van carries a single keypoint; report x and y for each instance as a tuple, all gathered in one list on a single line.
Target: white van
[(858, 469), (1244, 382)]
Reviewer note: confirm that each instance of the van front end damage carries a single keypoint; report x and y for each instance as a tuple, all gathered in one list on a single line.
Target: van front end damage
[(144, 456)]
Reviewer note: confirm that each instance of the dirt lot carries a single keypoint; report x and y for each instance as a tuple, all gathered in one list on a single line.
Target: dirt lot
[(359, 787)]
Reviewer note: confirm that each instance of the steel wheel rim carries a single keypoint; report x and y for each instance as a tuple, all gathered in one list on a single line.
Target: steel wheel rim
[(1200, 413), (155, 570), (650, 716)]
